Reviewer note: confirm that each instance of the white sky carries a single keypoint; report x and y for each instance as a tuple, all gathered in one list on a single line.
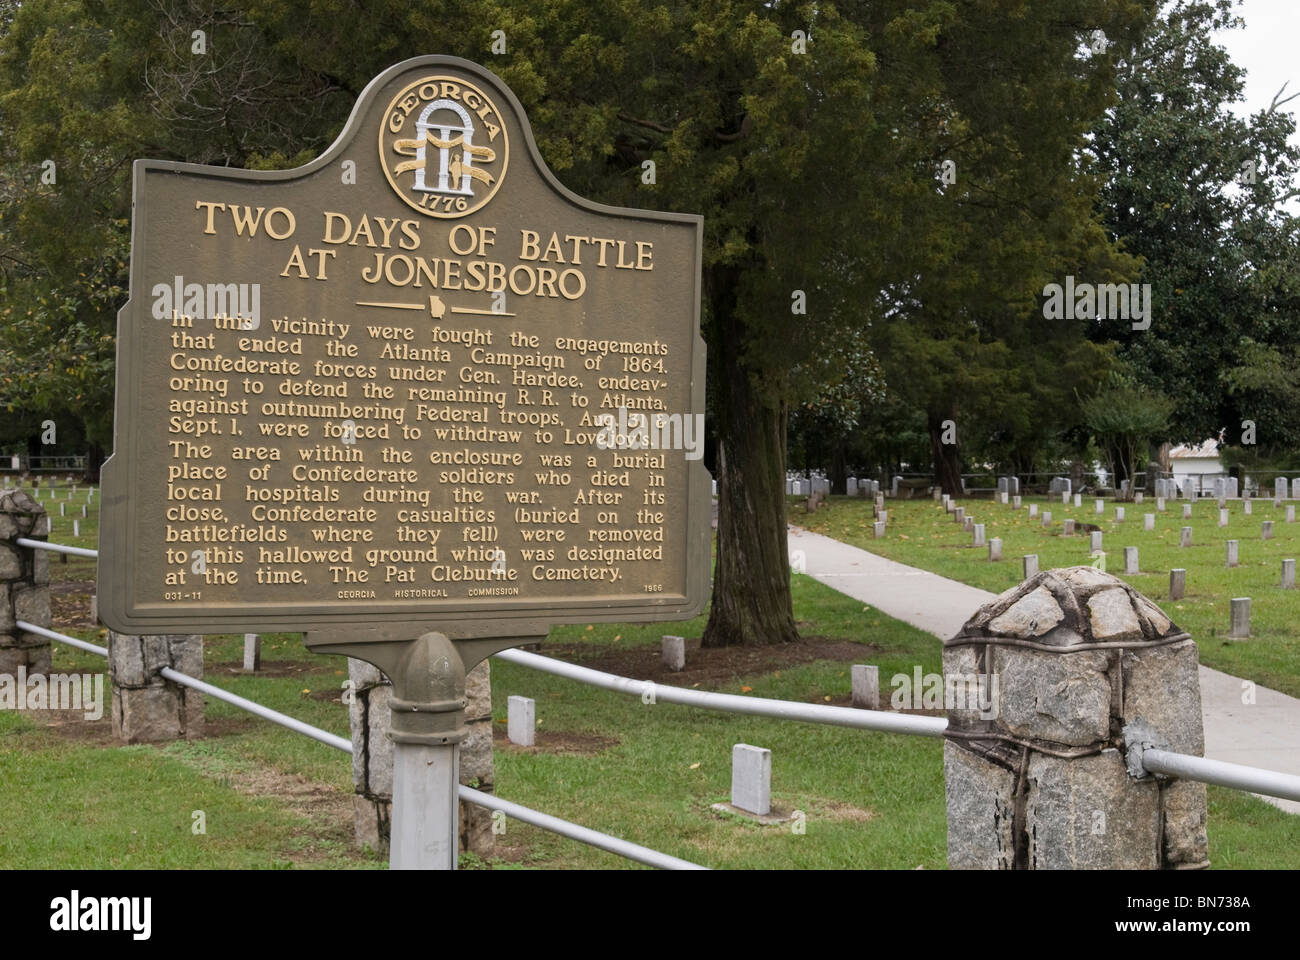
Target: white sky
[(1265, 47)]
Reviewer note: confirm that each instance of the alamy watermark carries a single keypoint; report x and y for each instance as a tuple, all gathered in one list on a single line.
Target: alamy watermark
[(57, 691), (239, 303), (657, 431), (1101, 301), (946, 691)]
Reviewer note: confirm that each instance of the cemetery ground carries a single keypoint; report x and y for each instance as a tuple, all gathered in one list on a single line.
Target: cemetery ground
[(921, 534), (71, 796)]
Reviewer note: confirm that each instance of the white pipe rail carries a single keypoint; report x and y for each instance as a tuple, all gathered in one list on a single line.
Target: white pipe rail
[(593, 838), (1184, 766), (56, 547), (62, 637), (880, 720), (1234, 775)]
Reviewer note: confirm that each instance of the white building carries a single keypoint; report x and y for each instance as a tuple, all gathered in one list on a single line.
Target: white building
[(1196, 465)]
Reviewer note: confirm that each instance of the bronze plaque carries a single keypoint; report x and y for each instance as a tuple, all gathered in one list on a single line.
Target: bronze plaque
[(416, 382)]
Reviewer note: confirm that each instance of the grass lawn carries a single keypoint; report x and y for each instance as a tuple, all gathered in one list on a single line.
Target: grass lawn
[(921, 534), (71, 797)]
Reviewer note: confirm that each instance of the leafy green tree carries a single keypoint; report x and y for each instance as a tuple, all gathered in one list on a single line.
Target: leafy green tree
[(1199, 194), (1124, 417)]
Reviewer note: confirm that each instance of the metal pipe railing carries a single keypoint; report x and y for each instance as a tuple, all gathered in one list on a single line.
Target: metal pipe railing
[(593, 838), (56, 547), (1237, 776), (879, 720), (62, 637)]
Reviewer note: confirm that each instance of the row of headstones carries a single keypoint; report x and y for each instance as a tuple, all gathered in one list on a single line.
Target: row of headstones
[(1008, 486), (819, 487)]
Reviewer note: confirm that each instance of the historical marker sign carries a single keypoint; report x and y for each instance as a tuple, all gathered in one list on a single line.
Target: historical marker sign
[(414, 382)]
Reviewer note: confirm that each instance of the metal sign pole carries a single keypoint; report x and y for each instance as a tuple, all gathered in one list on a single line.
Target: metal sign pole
[(425, 807), (428, 705)]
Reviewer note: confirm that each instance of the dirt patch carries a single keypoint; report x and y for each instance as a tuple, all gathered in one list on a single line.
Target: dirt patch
[(555, 741), (70, 604), (711, 668), (269, 668), (73, 725)]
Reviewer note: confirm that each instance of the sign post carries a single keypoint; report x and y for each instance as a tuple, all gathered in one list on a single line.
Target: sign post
[(415, 399)]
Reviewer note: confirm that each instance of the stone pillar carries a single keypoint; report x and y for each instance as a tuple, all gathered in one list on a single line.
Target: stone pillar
[(1042, 765), (372, 757), (146, 707), (24, 585)]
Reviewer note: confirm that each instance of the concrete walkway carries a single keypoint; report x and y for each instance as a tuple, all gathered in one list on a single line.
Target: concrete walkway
[(1263, 734)]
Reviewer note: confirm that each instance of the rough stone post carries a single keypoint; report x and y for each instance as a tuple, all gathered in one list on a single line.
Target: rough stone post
[(1177, 583), (24, 585), (995, 549), (865, 679), (372, 757), (1029, 565), (146, 707), (1288, 574), (1232, 553), (1042, 768), (1239, 618), (368, 695), (673, 651)]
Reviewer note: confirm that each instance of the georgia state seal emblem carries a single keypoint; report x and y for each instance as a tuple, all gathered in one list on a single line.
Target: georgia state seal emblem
[(443, 146)]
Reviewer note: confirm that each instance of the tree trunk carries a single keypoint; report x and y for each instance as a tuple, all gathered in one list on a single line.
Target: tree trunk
[(751, 580), (94, 460), (947, 464), (839, 472)]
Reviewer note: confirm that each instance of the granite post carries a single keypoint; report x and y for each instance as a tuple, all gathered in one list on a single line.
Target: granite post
[(1043, 770), (24, 585)]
